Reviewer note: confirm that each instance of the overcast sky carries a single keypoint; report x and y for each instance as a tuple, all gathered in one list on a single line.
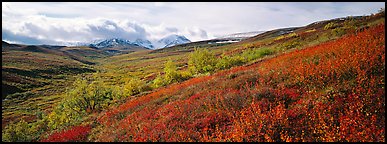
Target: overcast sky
[(56, 22)]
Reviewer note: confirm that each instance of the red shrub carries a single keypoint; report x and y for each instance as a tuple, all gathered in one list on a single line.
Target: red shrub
[(329, 92), (76, 133)]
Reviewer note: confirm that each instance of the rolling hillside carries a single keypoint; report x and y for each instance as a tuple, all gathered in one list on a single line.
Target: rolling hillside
[(34, 76), (287, 98), (302, 94), (319, 82)]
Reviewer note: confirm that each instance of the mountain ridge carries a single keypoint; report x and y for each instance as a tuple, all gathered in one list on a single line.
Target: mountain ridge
[(168, 41)]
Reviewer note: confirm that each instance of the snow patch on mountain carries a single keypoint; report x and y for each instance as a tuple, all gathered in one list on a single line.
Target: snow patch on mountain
[(144, 43), (114, 42), (168, 41), (171, 40), (241, 35), (118, 42)]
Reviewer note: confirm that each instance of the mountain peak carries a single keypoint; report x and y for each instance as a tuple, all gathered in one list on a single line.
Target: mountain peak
[(144, 43), (172, 40), (112, 42)]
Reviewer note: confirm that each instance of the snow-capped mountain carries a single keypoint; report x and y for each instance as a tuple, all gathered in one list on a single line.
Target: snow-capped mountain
[(168, 41), (114, 42), (144, 43), (119, 42), (171, 40)]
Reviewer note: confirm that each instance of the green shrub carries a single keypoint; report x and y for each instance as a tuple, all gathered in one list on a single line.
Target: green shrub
[(21, 131), (253, 54), (249, 46), (171, 74), (338, 31), (311, 30), (279, 37), (84, 98), (64, 114), (17, 132), (201, 61), (185, 75), (293, 34), (224, 63), (227, 62), (134, 86), (330, 25), (290, 44), (159, 81), (88, 97)]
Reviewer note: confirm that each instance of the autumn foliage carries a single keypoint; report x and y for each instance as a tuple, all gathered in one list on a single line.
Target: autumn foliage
[(333, 91), (74, 134)]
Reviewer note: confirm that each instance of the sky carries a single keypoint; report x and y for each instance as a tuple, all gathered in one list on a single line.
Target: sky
[(70, 22)]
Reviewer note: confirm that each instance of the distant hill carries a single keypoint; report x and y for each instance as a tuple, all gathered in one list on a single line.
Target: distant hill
[(237, 37), (5, 44)]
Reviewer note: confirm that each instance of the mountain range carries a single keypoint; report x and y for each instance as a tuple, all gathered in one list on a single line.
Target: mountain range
[(168, 41)]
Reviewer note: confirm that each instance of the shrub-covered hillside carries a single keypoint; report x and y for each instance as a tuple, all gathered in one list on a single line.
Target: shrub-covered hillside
[(321, 82), (330, 92)]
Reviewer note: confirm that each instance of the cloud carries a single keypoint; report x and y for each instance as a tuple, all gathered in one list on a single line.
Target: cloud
[(195, 33), (171, 29), (55, 28), (79, 22), (110, 29), (159, 4), (12, 37)]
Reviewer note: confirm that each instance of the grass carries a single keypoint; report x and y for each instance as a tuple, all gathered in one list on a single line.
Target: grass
[(35, 75), (202, 108)]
